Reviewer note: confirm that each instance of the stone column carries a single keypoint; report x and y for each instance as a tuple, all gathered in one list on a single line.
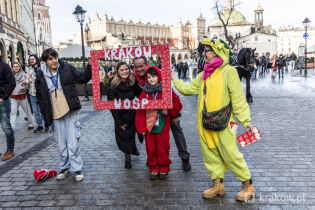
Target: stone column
[(13, 5), (9, 9)]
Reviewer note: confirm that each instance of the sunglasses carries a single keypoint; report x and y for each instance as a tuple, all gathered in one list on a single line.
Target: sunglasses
[(208, 51)]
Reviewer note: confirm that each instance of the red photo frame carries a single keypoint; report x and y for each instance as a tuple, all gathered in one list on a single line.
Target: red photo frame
[(131, 52)]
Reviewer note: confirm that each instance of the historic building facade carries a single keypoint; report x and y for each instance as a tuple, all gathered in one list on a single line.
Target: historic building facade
[(253, 35), (104, 32), (17, 36), (42, 25), (291, 40)]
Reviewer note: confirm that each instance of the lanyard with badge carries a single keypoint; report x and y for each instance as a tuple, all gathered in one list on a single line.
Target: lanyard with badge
[(157, 121), (54, 80), (153, 95)]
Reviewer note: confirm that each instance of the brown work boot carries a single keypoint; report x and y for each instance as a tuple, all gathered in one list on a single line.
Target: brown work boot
[(247, 191), (8, 155), (216, 189)]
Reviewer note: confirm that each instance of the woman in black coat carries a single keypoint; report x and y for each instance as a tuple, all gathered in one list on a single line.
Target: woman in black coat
[(122, 87)]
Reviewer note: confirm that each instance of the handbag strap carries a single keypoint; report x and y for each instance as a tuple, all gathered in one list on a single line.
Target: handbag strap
[(205, 91)]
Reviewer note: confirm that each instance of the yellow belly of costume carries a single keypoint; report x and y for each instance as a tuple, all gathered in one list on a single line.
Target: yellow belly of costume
[(214, 97)]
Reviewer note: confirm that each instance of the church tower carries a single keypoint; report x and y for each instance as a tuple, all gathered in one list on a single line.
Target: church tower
[(259, 18), (201, 27), (229, 4)]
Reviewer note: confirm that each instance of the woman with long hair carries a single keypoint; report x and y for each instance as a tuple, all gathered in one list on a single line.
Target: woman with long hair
[(122, 87), (18, 96)]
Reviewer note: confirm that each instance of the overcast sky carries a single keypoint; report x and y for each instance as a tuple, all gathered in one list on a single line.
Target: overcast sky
[(277, 12)]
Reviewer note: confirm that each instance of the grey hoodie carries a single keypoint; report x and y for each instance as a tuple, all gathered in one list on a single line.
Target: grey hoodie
[(47, 75)]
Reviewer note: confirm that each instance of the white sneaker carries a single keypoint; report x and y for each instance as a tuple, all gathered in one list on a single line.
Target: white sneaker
[(78, 176), (63, 174)]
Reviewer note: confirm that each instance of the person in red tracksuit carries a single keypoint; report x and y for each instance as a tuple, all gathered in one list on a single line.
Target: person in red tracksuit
[(155, 125)]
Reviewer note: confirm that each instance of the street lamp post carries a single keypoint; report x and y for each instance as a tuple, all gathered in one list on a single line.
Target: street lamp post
[(306, 23), (80, 16)]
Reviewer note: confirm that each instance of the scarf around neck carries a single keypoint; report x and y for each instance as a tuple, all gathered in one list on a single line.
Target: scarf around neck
[(152, 88), (210, 67)]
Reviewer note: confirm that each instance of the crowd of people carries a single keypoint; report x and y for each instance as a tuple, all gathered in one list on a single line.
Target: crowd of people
[(182, 69), (54, 98), (276, 64)]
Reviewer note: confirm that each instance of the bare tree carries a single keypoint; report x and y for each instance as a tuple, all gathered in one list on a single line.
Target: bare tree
[(219, 8)]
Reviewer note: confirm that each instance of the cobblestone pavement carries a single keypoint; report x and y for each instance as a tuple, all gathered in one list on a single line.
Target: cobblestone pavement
[(282, 163)]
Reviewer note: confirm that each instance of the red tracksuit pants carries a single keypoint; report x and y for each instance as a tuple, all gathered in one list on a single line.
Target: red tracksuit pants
[(158, 151)]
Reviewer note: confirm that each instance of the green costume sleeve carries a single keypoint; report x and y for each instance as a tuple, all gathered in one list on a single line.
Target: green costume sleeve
[(188, 89), (239, 104)]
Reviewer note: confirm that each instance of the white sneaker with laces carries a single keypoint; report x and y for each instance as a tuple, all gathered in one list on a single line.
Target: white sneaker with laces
[(78, 176), (63, 174)]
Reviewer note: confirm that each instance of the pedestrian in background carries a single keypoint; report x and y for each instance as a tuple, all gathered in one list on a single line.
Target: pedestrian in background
[(59, 104), (179, 69), (263, 64), (34, 65), (287, 62), (18, 96), (274, 66), (102, 75), (254, 73), (112, 67), (185, 69), (268, 63), (259, 66), (292, 61), (7, 85), (280, 64), (122, 86)]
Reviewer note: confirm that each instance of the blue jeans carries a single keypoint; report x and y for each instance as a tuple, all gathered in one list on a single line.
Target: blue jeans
[(5, 109), (36, 111), (67, 134), (254, 73)]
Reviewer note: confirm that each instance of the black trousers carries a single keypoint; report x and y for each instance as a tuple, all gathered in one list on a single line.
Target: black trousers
[(179, 74), (180, 141), (185, 73), (280, 70)]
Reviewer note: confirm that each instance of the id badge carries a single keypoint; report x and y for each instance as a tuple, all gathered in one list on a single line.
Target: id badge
[(157, 121)]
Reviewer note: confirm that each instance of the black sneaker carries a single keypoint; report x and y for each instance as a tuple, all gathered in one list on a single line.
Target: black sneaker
[(46, 128), (186, 165), (128, 164), (163, 176), (39, 129)]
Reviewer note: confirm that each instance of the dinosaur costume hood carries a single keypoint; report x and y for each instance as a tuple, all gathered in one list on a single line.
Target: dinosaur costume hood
[(220, 47)]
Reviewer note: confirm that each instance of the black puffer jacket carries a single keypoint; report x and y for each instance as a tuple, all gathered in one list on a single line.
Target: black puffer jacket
[(7, 81), (69, 76), (125, 138)]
